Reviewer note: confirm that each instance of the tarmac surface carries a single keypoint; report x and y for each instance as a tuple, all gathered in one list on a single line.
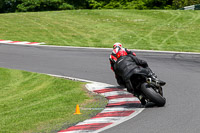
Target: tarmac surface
[(180, 71)]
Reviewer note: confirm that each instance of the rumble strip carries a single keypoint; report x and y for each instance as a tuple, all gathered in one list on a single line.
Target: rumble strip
[(121, 107), (18, 42)]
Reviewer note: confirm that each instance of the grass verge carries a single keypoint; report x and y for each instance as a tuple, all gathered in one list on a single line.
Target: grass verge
[(171, 30), (32, 102)]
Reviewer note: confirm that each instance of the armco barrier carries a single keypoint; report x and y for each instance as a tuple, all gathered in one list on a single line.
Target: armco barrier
[(192, 7)]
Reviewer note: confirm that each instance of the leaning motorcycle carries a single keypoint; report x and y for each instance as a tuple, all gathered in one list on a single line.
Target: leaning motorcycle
[(148, 87)]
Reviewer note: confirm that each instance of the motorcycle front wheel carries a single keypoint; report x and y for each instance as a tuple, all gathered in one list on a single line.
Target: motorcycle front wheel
[(152, 95)]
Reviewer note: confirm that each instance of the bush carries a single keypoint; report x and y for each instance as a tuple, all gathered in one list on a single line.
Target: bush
[(66, 6), (8, 5), (136, 5), (119, 4), (28, 5), (48, 5), (113, 5), (182, 3), (43, 5)]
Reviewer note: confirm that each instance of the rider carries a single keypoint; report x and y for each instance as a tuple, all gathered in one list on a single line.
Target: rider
[(118, 51), (124, 63)]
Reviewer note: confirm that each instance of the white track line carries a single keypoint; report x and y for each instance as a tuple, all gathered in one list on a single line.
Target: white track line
[(110, 49), (148, 51)]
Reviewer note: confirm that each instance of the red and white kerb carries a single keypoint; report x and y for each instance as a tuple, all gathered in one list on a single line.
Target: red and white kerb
[(121, 106), (19, 42)]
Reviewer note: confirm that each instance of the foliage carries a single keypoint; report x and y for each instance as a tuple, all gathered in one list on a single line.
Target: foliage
[(48, 5), (157, 4), (181, 3), (36, 5), (8, 5), (43, 5)]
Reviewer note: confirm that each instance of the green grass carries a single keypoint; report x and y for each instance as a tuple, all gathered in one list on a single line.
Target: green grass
[(171, 30), (31, 102)]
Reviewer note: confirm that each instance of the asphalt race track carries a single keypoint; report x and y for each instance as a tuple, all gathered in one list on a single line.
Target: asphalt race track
[(181, 113)]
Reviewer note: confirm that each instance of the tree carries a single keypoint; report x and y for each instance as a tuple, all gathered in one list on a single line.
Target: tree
[(182, 3), (157, 4)]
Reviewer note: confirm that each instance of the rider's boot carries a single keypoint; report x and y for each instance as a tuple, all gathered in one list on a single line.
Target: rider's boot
[(162, 83), (154, 77), (142, 99), (129, 86)]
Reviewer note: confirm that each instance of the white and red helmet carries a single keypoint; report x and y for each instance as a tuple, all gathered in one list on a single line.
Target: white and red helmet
[(118, 50), (117, 45)]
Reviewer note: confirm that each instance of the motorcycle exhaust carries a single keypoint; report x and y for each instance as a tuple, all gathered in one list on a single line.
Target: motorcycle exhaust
[(149, 80)]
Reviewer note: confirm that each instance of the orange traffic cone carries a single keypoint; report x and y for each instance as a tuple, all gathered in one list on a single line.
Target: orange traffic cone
[(77, 110)]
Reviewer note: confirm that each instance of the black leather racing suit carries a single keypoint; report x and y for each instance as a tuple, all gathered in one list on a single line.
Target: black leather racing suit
[(128, 65)]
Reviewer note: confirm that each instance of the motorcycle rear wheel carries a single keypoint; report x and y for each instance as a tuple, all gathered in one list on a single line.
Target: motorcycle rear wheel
[(152, 95)]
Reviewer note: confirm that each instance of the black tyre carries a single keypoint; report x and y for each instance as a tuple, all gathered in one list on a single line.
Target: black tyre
[(152, 95)]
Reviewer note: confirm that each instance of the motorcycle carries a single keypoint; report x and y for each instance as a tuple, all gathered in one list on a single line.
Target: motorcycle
[(147, 87)]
